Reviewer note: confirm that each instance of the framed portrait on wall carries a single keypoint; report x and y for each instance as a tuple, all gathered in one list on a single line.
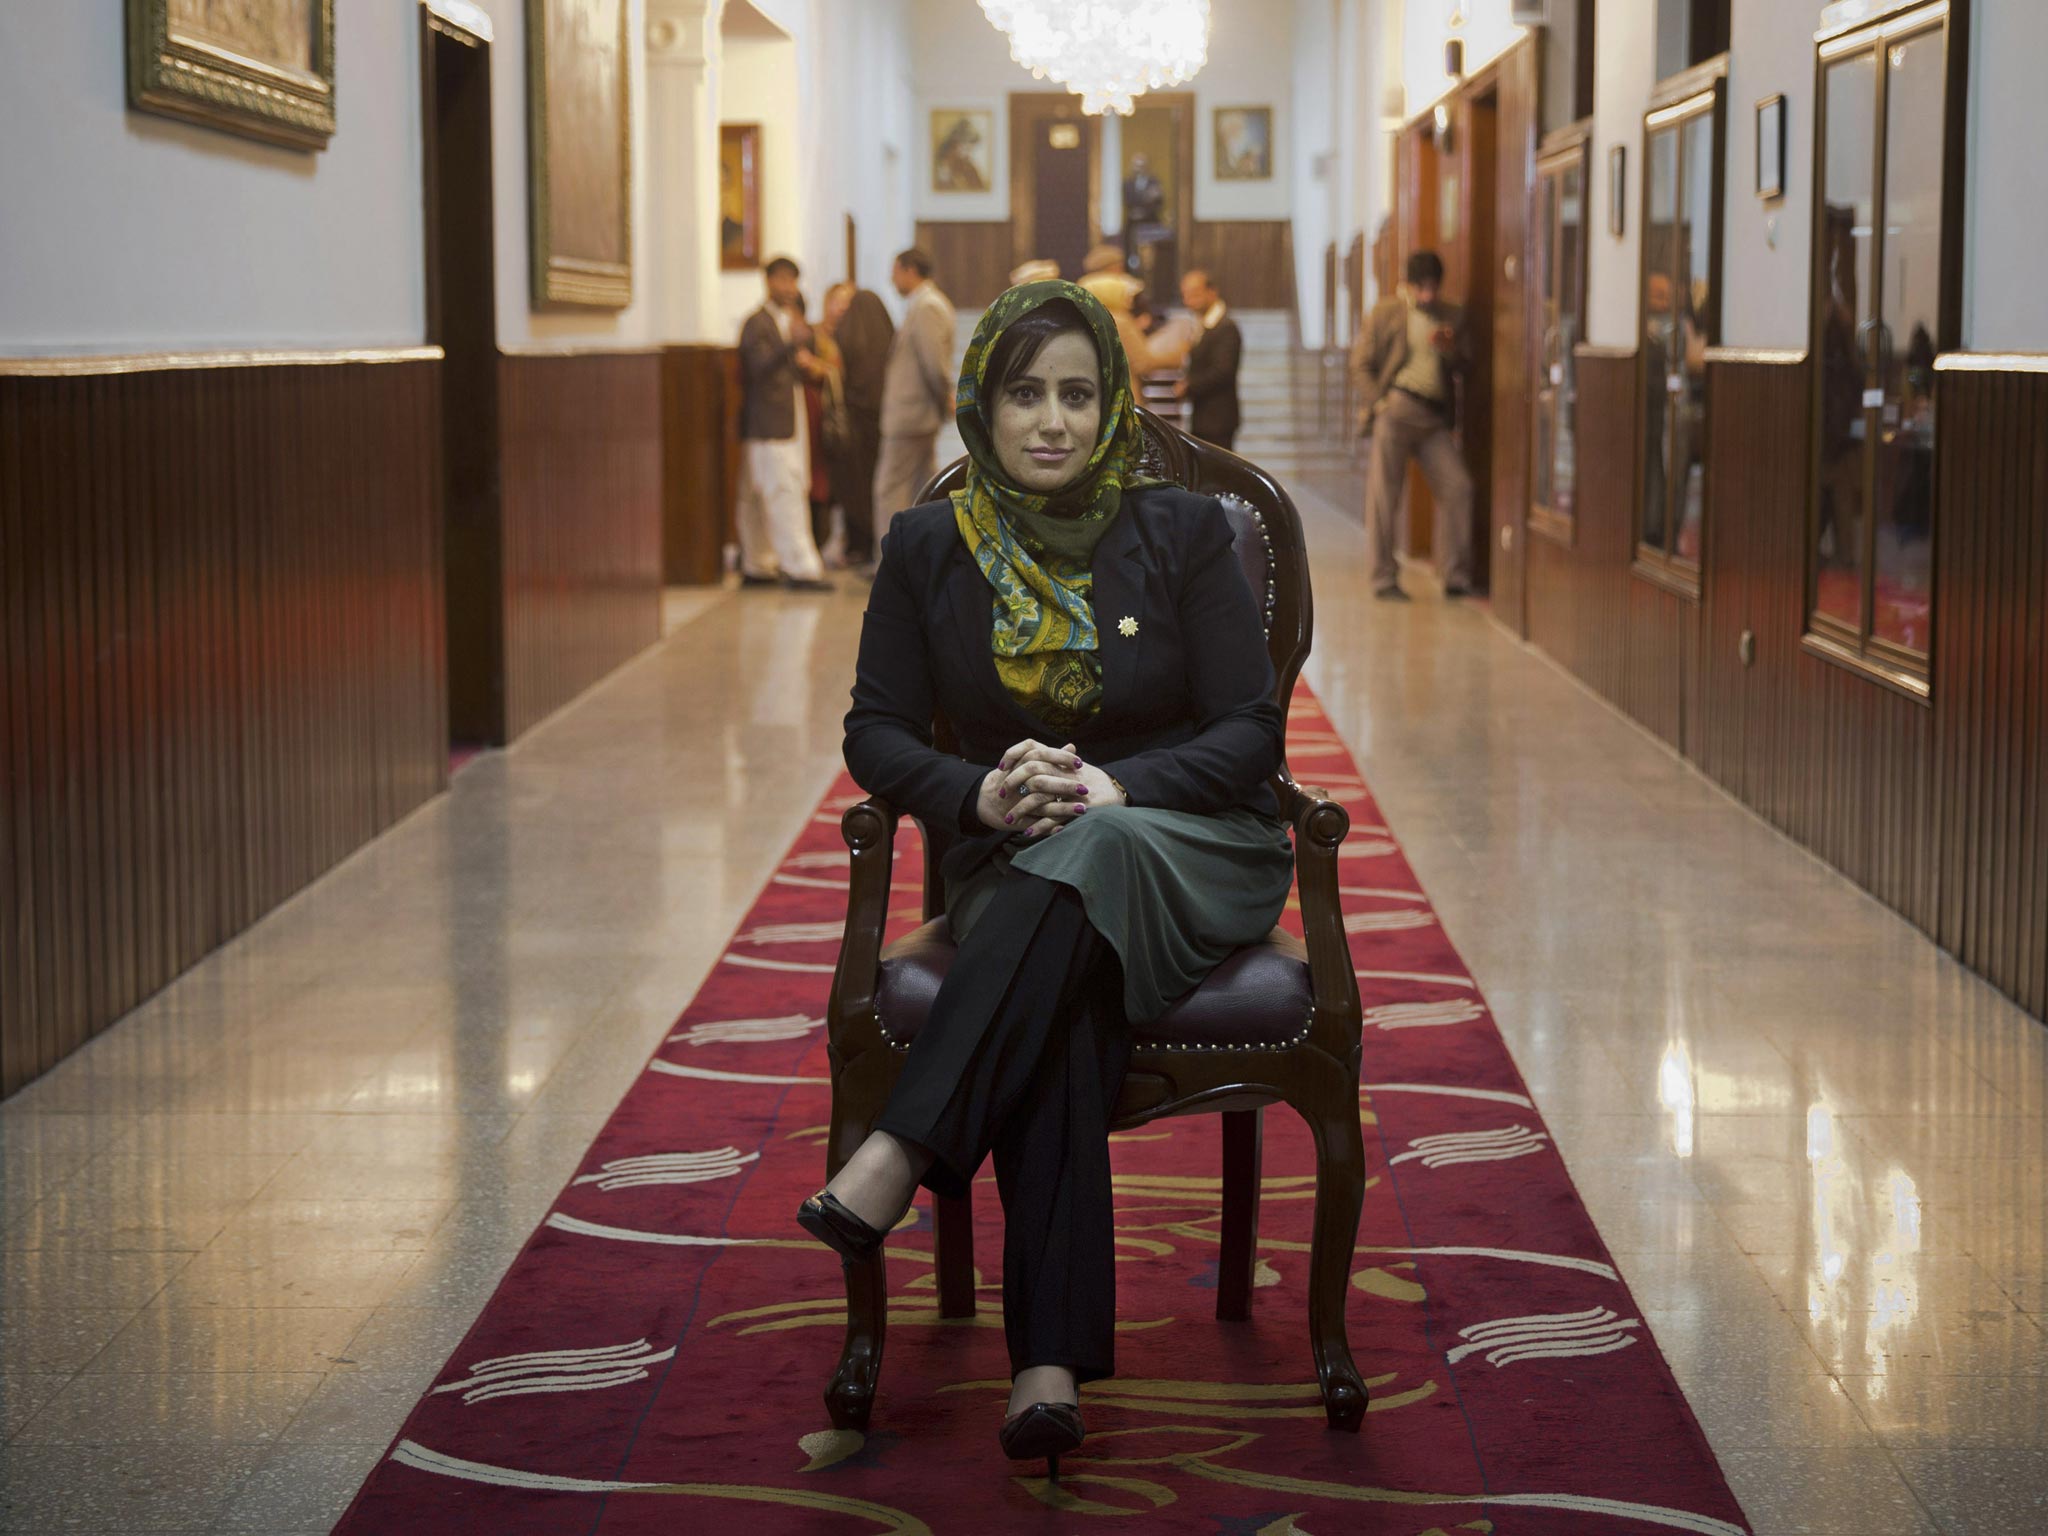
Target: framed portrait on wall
[(739, 196), (1244, 143), (1770, 147), (962, 149), (579, 167), (260, 68)]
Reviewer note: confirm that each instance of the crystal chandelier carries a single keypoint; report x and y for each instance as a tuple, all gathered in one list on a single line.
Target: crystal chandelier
[(1106, 51)]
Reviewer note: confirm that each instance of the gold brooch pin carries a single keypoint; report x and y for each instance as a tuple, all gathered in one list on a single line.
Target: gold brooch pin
[(1127, 626)]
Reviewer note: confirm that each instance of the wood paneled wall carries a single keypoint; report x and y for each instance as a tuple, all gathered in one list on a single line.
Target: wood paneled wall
[(1251, 262), (1990, 685), (582, 510), (1937, 806), (696, 490), (1578, 592), (1837, 761), (971, 262), (221, 663)]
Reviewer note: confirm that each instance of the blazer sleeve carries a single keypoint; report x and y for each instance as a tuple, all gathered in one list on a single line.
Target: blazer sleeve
[(889, 729), (762, 349), (1237, 743)]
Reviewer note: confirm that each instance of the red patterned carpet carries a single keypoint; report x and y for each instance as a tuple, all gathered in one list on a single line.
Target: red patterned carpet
[(654, 1358)]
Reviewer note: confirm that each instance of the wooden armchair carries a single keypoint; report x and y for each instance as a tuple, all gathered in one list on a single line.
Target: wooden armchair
[(1278, 1021)]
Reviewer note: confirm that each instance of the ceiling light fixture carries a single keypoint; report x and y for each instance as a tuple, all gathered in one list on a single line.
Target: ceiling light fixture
[(1107, 52)]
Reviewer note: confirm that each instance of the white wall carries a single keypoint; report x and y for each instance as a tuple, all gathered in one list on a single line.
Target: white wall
[(758, 83), (2005, 307), (128, 232), (1487, 33), (1765, 248), (520, 328), (1624, 70), (1251, 64), (1311, 166), (960, 60)]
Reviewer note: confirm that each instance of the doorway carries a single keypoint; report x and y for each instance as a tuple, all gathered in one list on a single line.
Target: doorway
[(1055, 179), (462, 320), (1475, 276), (1157, 155)]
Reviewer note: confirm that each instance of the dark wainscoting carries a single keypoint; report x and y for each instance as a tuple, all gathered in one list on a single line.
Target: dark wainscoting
[(972, 261), (696, 491), (221, 663), (1990, 681), (1630, 639), (1251, 261), (582, 435), (1578, 592), (1837, 761)]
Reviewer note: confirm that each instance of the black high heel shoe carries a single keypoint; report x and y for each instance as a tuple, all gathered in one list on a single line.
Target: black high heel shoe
[(831, 1223), (1044, 1429)]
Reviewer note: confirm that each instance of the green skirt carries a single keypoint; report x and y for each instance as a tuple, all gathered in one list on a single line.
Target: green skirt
[(1174, 892)]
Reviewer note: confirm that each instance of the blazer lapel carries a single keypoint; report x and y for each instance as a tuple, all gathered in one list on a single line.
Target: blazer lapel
[(1120, 570)]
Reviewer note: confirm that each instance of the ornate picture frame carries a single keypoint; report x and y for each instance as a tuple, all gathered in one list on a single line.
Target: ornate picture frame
[(263, 69), (1242, 148), (739, 197), (962, 149), (579, 153)]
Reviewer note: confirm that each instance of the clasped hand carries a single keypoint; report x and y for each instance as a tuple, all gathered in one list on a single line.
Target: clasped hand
[(1038, 789)]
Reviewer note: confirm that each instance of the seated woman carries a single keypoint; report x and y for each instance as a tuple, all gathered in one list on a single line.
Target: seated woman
[(1090, 635)]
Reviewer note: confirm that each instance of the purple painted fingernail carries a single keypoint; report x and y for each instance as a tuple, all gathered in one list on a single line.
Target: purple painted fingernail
[(1080, 810), (1081, 789), (1008, 819), (1002, 794), (1006, 762)]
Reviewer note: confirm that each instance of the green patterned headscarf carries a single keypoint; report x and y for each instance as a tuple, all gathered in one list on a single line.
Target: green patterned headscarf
[(1038, 551)]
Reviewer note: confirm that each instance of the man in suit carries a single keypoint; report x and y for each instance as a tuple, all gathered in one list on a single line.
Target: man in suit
[(775, 449), (1406, 365), (1210, 383), (917, 388), (860, 324)]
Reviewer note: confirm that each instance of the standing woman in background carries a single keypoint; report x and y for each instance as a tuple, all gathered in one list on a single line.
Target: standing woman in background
[(1093, 641)]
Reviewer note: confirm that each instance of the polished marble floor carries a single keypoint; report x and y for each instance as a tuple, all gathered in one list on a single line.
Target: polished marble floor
[(240, 1231)]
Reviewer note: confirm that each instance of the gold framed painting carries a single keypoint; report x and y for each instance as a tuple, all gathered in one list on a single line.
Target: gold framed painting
[(1244, 143), (961, 150), (579, 160), (260, 68), (739, 197)]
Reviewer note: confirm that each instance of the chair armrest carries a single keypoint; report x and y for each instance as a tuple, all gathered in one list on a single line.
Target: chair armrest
[(1320, 825), (870, 832)]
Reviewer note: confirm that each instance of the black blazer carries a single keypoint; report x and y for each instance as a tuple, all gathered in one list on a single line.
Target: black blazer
[(1212, 382), (767, 380), (1188, 719)]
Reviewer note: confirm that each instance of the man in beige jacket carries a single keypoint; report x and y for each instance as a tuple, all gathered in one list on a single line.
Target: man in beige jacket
[(917, 389), (1406, 365)]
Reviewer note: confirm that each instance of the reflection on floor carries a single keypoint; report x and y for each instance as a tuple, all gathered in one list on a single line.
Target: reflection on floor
[(241, 1230)]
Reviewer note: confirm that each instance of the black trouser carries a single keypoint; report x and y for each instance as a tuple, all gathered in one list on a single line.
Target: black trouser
[(853, 482), (1023, 1055)]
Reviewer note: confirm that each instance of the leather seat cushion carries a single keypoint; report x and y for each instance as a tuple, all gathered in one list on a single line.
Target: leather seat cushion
[(1259, 997)]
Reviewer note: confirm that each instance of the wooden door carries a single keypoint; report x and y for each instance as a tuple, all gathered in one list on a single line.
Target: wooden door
[(1504, 525)]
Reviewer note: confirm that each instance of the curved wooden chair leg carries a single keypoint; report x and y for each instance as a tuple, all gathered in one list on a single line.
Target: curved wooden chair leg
[(850, 1398), (953, 1253), (1340, 1196), (1238, 1259)]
